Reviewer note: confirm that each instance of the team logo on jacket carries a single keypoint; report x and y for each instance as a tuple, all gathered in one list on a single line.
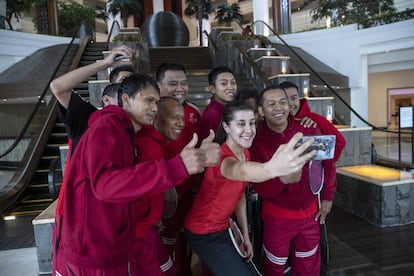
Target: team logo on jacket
[(193, 118)]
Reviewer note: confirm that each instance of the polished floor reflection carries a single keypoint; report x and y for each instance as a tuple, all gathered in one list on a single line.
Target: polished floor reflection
[(359, 248), (356, 247)]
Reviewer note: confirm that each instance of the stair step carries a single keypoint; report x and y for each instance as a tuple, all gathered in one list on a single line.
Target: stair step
[(39, 186), (190, 57), (30, 209)]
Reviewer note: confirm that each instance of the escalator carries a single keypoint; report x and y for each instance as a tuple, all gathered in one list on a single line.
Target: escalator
[(33, 199)]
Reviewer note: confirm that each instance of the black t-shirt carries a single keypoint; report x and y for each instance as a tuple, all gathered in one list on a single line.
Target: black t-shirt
[(76, 117)]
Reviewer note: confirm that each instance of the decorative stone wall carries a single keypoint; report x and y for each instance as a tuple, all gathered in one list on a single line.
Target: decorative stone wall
[(378, 204)]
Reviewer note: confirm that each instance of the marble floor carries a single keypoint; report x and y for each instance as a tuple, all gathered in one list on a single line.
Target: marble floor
[(357, 247)]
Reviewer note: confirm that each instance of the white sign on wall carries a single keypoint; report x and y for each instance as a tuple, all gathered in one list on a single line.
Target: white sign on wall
[(406, 117)]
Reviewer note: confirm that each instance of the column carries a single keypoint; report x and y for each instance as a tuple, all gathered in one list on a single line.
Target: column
[(111, 19), (157, 5), (207, 28), (281, 16), (261, 13)]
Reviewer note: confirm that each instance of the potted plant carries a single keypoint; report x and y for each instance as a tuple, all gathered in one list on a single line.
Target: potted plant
[(226, 14), (70, 14), (126, 8), (201, 9)]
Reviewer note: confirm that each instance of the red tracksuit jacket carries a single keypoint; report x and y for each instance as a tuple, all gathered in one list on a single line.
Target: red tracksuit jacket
[(98, 225), (296, 196)]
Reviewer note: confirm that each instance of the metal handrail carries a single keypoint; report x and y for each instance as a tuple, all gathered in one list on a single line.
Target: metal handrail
[(211, 42), (325, 83), (54, 167), (114, 23)]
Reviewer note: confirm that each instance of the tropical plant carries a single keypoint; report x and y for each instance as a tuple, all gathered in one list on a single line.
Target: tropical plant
[(17, 8), (344, 12), (71, 14), (387, 18), (201, 9), (126, 8), (226, 14)]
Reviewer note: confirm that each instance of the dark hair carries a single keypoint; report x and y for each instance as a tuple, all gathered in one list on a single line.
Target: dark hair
[(246, 94), (115, 72), (212, 76), (168, 66), (134, 84), (111, 90), (228, 116), (270, 87), (288, 84)]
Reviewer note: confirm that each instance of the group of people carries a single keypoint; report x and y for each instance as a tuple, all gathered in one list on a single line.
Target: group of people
[(149, 150)]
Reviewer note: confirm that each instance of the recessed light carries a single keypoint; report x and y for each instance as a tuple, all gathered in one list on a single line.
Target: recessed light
[(9, 217)]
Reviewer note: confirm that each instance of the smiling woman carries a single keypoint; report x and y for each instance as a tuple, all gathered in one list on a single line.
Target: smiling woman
[(222, 191)]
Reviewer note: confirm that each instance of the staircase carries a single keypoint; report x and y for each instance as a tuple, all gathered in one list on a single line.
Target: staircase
[(37, 197)]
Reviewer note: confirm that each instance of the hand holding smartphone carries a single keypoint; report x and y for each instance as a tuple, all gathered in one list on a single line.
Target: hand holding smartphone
[(323, 144)]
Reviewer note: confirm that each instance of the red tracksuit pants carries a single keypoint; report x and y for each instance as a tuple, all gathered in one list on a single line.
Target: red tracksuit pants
[(173, 236), (151, 256), (294, 238)]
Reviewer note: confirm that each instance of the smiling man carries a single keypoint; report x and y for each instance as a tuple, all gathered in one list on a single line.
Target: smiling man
[(104, 180), (223, 86), (290, 212), (151, 256), (173, 82)]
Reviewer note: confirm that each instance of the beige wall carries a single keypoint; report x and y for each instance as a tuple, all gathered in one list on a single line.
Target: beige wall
[(378, 83)]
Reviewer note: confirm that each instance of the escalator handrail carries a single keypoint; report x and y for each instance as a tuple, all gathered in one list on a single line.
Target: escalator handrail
[(212, 45), (42, 96), (327, 85), (54, 167), (114, 23)]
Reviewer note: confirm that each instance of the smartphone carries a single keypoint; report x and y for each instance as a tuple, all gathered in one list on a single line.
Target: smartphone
[(323, 144), (121, 57)]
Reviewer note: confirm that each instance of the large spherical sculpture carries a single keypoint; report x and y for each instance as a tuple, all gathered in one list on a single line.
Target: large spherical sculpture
[(165, 29)]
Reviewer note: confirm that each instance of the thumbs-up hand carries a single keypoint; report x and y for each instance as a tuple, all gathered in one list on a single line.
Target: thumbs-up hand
[(193, 158), (211, 150)]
